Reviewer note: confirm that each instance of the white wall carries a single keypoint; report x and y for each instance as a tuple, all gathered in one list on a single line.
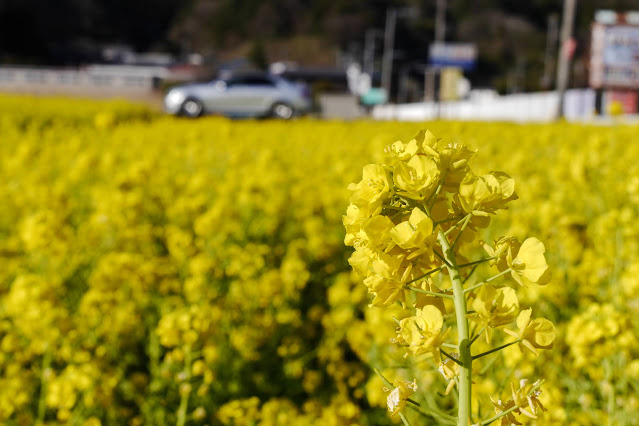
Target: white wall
[(527, 107)]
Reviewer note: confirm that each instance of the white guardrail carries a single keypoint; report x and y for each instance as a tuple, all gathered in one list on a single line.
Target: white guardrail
[(90, 77), (528, 107)]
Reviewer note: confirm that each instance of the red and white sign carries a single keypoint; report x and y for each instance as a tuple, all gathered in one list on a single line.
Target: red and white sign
[(627, 99)]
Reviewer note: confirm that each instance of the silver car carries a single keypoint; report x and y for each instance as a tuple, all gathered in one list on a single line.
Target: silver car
[(247, 95)]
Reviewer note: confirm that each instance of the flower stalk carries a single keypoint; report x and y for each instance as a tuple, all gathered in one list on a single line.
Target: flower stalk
[(494, 277), (464, 382), (185, 389), (496, 349), (44, 382)]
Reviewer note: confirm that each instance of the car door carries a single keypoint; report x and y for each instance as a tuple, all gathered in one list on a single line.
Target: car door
[(250, 95), (214, 95)]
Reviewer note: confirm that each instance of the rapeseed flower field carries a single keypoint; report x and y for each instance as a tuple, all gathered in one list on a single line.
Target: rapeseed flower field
[(161, 271)]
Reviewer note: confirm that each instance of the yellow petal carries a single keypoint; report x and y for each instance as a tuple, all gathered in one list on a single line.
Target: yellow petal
[(531, 254), (524, 318), (432, 317), (544, 332)]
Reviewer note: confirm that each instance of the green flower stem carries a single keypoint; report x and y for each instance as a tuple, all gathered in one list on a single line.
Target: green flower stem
[(450, 346), (44, 382), (464, 220), (430, 293), (498, 416), (610, 389), (184, 396), (442, 417), (469, 289), (470, 274), (488, 365), (404, 419), (384, 379), (439, 268), (461, 231), (433, 198), (464, 383), (450, 357), (496, 349), (464, 265), (443, 259), (477, 336), (511, 409), (452, 219)]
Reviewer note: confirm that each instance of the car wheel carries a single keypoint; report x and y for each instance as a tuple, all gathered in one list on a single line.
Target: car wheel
[(282, 111), (192, 108)]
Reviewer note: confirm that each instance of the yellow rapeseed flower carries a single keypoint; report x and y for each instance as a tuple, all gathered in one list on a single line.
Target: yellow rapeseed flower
[(396, 400), (486, 193), (413, 232), (494, 307), (526, 261), (536, 334), (529, 265), (422, 333), (373, 189), (418, 177)]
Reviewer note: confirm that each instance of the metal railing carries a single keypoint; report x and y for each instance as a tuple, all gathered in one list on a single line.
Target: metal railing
[(91, 77)]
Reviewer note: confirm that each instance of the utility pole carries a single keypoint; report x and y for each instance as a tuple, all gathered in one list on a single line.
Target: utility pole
[(389, 42), (563, 70), (369, 50), (429, 84), (430, 74), (440, 21), (551, 45), (402, 95)]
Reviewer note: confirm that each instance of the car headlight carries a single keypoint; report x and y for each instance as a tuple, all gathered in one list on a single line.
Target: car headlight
[(174, 97)]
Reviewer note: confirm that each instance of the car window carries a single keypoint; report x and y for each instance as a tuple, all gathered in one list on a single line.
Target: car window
[(250, 81)]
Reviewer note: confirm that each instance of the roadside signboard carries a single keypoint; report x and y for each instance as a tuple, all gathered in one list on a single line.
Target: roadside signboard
[(444, 54), (614, 56)]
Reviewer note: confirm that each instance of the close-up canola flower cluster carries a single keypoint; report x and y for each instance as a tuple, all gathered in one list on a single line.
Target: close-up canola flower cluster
[(163, 271), (409, 220)]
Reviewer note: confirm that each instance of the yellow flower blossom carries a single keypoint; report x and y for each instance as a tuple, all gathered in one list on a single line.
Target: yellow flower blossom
[(373, 189), (526, 261), (422, 333), (502, 252), (414, 231), (396, 400), (378, 230), (486, 193), (529, 265), (536, 334), (494, 307), (525, 399), (454, 163), (509, 419), (450, 370), (418, 177)]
